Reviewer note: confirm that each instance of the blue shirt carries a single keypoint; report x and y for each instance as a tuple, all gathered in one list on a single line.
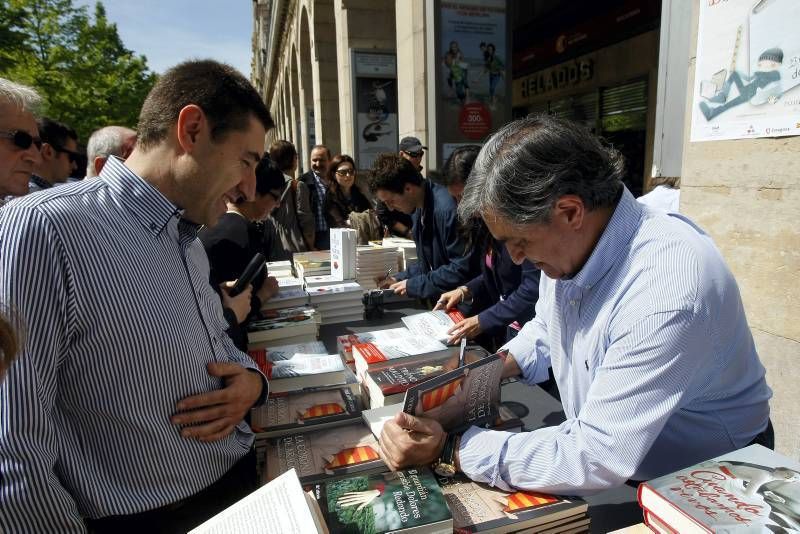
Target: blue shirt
[(319, 216), (120, 324), (653, 357)]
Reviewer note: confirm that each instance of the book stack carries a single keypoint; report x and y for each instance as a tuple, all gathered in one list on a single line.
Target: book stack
[(373, 262), (314, 263), (750, 490), (338, 303), (286, 298), (406, 251), (279, 269), (324, 280), (283, 326), (289, 282), (343, 253), (345, 342)]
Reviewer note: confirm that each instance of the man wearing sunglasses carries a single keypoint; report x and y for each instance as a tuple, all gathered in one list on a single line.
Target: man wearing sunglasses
[(59, 155), (19, 137)]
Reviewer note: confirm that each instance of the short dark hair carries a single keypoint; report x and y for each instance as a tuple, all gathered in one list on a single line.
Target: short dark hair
[(392, 172), (283, 153), (459, 165), (55, 133), (268, 176), (318, 147), (224, 95)]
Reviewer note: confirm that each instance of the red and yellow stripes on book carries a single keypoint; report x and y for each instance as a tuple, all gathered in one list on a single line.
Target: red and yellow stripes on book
[(352, 456), (322, 410), (522, 501), (437, 397)]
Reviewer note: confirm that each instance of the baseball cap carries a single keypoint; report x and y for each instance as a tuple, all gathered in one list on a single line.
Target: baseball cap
[(411, 144)]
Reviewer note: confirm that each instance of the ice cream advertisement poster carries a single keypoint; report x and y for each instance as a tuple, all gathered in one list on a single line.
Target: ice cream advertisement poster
[(747, 73)]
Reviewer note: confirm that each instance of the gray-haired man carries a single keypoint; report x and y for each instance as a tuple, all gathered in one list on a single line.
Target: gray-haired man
[(19, 137), (105, 142), (638, 315)]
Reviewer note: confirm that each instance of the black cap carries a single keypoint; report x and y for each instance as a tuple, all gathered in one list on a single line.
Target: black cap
[(411, 144), (773, 54)]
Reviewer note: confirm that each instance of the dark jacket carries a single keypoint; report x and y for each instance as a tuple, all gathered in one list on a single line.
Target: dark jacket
[(338, 208), (311, 183), (505, 292), (442, 262)]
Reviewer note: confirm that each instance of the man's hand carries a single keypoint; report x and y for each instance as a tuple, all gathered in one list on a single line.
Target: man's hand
[(240, 304), (399, 287), (408, 441), (212, 416), (469, 328), (383, 282), (268, 290), (449, 300)]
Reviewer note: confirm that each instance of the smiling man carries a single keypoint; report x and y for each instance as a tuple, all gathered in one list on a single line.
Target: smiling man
[(124, 410), (19, 137), (638, 315)]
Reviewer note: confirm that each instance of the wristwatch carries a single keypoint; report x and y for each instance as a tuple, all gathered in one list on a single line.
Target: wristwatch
[(445, 466)]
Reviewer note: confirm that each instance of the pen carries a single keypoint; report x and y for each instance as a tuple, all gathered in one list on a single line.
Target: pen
[(461, 351)]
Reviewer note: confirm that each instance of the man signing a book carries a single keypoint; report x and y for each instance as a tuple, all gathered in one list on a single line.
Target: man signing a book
[(638, 315)]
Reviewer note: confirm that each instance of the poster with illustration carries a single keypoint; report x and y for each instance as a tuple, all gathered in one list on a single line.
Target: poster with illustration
[(747, 71), (376, 106), (473, 69)]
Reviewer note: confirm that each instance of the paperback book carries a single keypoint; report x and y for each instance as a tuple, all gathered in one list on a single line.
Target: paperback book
[(344, 343), (749, 490), (301, 371), (481, 508), (401, 349), (325, 454), (433, 324), (264, 330), (466, 396), (343, 253), (286, 298), (403, 501), (304, 412)]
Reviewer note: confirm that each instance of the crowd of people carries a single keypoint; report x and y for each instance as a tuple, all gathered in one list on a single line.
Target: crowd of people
[(127, 387)]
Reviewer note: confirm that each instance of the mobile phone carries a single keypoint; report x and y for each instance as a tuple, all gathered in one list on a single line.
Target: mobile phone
[(249, 273)]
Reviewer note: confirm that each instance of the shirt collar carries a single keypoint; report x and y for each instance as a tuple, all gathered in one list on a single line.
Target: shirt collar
[(40, 182), (615, 238), (148, 204)]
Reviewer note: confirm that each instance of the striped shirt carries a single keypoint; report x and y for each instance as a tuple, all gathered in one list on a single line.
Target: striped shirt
[(653, 357), (121, 323)]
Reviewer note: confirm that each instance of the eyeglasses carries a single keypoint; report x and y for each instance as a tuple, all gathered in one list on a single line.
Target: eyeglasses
[(416, 154), (346, 172), (73, 156), (21, 139)]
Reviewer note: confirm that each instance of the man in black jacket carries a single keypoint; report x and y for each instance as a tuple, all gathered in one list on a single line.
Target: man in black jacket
[(317, 182), (442, 262)]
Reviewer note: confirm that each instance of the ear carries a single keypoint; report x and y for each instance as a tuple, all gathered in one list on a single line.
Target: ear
[(408, 188), (98, 163), (191, 122), (47, 151), (570, 211)]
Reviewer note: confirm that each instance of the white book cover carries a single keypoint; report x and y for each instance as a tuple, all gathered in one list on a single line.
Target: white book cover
[(287, 352), (279, 507), (343, 253), (325, 280), (303, 364), (344, 343), (375, 418), (433, 324), (289, 282), (334, 292), (366, 354)]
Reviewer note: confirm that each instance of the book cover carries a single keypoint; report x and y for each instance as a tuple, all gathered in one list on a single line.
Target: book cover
[(344, 343), (387, 381), (286, 298), (324, 454), (433, 324), (481, 508), (343, 253), (468, 395), (342, 291), (399, 349), (262, 330), (306, 411), (324, 280), (402, 501), (749, 490)]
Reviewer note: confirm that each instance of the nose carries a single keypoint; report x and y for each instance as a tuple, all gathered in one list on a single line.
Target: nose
[(33, 155), (247, 187)]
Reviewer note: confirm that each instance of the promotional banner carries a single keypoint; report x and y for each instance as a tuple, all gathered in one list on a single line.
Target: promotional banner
[(747, 71), (474, 56), (376, 106)]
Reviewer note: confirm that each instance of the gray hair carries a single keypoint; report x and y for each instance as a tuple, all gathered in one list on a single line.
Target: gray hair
[(105, 142), (20, 96), (530, 163)]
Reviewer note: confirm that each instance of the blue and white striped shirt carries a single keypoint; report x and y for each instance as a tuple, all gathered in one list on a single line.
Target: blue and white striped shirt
[(653, 357), (121, 323)]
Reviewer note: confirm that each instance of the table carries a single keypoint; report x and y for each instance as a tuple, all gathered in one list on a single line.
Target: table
[(609, 510)]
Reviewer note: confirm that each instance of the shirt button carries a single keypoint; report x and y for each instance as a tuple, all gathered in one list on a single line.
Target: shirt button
[(572, 302)]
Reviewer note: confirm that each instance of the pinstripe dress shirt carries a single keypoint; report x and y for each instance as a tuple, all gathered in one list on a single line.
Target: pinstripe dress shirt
[(653, 357), (121, 323)]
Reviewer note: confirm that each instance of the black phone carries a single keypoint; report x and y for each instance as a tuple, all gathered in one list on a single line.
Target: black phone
[(250, 272)]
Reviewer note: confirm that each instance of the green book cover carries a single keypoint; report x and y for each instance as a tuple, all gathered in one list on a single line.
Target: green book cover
[(390, 502)]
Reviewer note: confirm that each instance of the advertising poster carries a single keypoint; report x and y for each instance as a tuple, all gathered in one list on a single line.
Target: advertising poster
[(474, 84), (376, 106), (747, 71)]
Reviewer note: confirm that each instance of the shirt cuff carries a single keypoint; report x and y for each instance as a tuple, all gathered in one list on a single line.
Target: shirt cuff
[(479, 455), (532, 371)]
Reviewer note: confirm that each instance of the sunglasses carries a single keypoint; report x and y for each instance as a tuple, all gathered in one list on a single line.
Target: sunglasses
[(416, 154), (22, 140), (346, 172), (73, 156)]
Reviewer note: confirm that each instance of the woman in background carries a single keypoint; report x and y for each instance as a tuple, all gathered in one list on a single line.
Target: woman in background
[(343, 196)]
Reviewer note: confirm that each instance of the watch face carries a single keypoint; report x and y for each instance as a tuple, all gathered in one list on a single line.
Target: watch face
[(444, 470)]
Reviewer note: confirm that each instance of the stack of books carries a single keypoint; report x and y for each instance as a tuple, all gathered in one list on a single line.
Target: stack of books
[(373, 262), (289, 282), (338, 303), (315, 263), (406, 251), (282, 326), (279, 269), (753, 489), (324, 280), (286, 298), (345, 342)]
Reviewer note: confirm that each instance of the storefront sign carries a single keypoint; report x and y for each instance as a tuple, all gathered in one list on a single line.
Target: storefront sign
[(566, 75)]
